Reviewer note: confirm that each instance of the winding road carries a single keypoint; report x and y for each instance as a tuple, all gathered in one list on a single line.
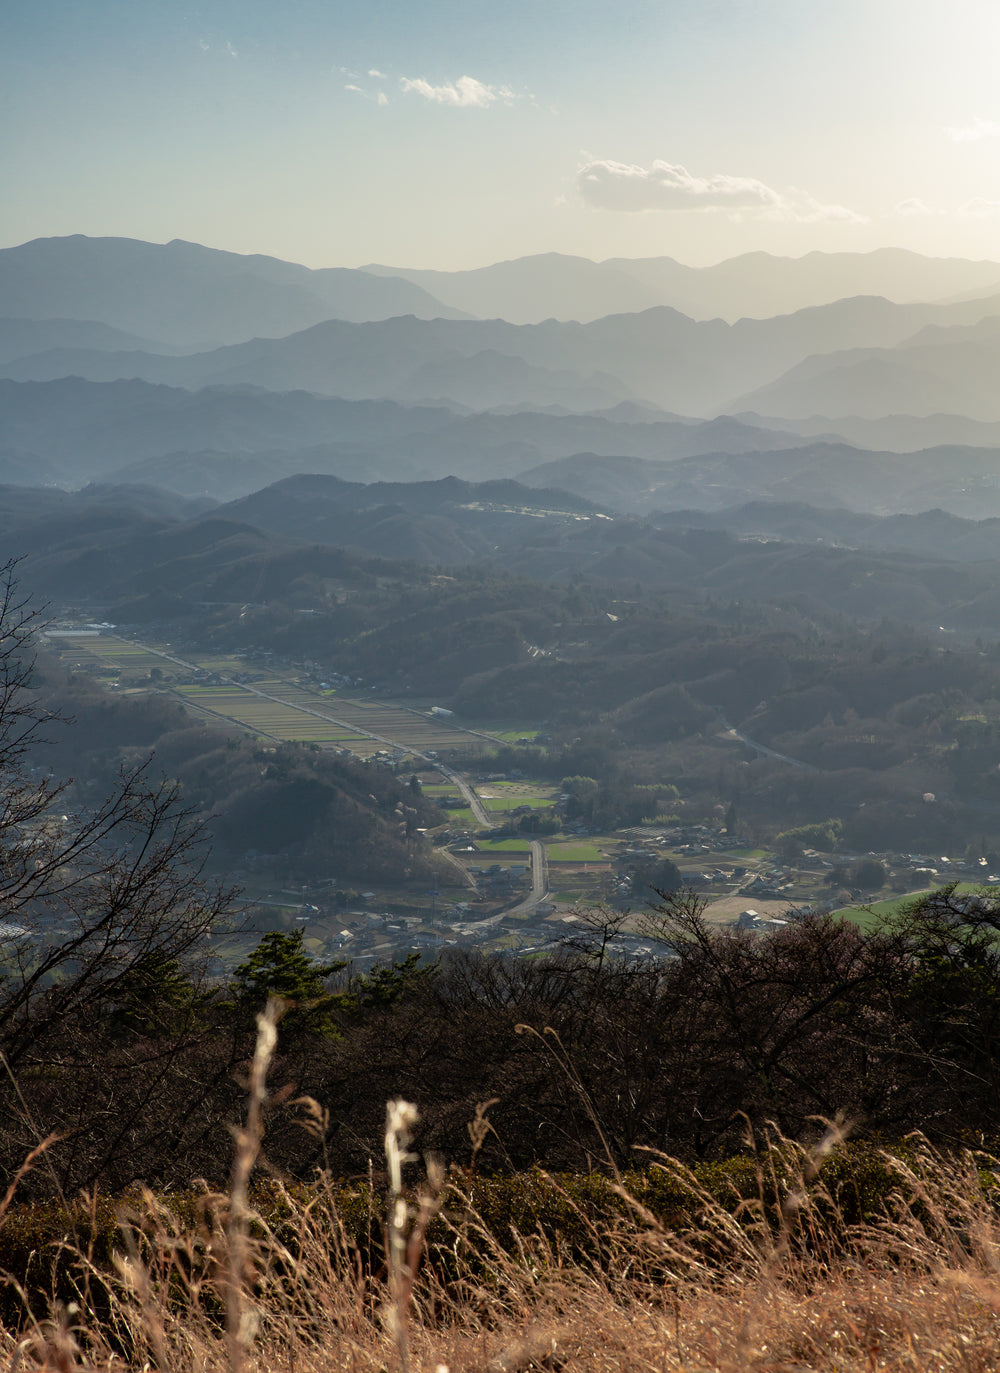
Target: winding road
[(731, 732)]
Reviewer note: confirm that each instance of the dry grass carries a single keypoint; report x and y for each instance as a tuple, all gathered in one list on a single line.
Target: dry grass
[(771, 1288)]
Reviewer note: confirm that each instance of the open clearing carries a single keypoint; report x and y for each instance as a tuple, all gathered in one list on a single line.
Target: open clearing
[(870, 917), (512, 802), (502, 846), (575, 853)]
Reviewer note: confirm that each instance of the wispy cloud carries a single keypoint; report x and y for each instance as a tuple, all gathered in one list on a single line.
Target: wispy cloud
[(972, 133), (216, 46), (979, 208), (623, 186), (465, 93), (377, 97)]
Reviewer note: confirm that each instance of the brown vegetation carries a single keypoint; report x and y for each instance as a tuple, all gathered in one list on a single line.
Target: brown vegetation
[(783, 1281)]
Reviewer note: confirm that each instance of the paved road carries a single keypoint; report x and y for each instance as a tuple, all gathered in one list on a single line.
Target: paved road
[(539, 891), (480, 812), (539, 881), (457, 863), (730, 732)]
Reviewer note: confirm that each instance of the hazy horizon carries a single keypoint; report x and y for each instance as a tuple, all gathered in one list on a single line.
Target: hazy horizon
[(474, 266), (449, 135)]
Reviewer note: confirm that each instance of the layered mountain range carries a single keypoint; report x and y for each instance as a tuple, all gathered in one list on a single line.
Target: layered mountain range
[(857, 381)]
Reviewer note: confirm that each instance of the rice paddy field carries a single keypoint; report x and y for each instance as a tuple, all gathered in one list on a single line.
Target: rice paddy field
[(272, 707), (273, 719), (393, 723), (109, 659)]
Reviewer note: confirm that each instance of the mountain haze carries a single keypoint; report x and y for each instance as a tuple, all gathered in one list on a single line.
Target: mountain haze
[(228, 441), (528, 290), (659, 357), (951, 371), (184, 294)]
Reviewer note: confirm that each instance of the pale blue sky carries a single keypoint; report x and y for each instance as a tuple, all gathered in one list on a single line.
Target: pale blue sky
[(449, 133)]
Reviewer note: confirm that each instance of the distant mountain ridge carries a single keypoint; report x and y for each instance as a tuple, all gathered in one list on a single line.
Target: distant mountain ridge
[(660, 357), (528, 290), (24, 337), (228, 441), (828, 475), (187, 295), (936, 371)]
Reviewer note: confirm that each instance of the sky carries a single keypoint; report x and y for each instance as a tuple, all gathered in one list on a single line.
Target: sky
[(454, 133)]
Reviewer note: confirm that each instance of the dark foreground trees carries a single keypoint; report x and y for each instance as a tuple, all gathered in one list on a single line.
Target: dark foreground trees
[(589, 1058), (105, 915)]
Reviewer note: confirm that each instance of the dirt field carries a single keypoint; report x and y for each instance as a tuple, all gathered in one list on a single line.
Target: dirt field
[(727, 908)]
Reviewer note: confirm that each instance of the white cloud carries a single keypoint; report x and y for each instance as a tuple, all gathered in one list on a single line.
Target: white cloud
[(666, 186), (912, 208), (972, 133), (379, 97), (623, 186), (374, 71), (465, 93)]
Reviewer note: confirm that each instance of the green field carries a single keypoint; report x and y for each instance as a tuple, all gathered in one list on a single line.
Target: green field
[(870, 917), (512, 802), (503, 845)]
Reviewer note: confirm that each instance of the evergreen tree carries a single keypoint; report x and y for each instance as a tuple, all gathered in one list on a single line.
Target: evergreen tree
[(280, 966)]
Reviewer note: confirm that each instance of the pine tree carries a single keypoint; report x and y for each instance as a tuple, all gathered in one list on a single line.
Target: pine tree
[(280, 966)]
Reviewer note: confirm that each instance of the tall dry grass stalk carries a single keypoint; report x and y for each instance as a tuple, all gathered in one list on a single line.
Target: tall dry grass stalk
[(777, 1284), (241, 1323)]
